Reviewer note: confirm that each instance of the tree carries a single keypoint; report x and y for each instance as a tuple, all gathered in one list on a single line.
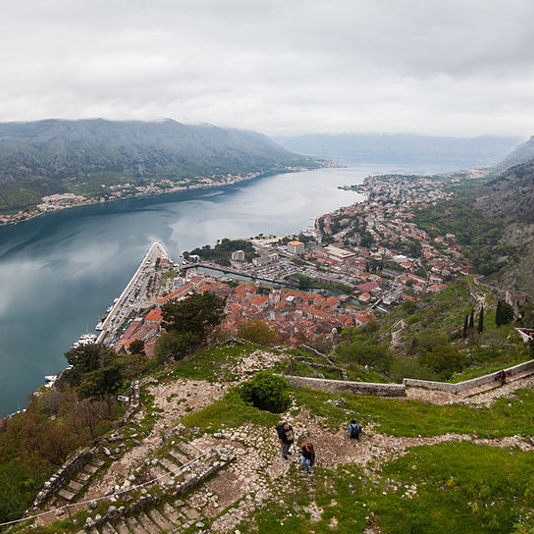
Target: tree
[(504, 313), (481, 321), (194, 315), (86, 359), (137, 347), (472, 319), (267, 391), (498, 314), (101, 382), (464, 333), (171, 344), (258, 332)]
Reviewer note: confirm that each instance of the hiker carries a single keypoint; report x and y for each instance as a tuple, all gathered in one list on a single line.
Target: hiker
[(354, 430), (285, 436), (308, 457), (501, 376)]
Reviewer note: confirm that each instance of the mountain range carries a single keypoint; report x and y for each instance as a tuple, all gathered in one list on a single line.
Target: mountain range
[(51, 156), (402, 148), (521, 154)]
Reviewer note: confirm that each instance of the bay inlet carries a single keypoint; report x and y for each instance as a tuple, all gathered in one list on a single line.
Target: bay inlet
[(59, 272)]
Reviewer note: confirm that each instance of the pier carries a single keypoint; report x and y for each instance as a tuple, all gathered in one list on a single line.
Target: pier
[(125, 302)]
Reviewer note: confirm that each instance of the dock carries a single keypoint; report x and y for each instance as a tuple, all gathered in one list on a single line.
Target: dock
[(124, 303)]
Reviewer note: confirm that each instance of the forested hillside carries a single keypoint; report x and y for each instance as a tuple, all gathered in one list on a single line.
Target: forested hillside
[(54, 156)]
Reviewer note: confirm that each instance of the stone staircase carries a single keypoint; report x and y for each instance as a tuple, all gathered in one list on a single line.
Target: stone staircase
[(79, 480), (157, 508)]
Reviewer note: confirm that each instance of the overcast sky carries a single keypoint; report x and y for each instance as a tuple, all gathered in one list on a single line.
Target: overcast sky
[(454, 67)]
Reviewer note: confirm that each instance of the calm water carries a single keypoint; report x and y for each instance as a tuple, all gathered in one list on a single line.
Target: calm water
[(60, 272)]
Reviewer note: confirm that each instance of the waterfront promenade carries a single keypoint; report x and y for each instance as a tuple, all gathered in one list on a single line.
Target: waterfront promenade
[(137, 284)]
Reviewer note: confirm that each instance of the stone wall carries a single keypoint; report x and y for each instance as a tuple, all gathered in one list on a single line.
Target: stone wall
[(81, 458), (326, 358), (468, 385), (63, 475), (341, 386)]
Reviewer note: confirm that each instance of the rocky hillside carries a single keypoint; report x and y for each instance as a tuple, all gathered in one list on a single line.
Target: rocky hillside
[(45, 157), (522, 154), (194, 458), (510, 195), (510, 198)]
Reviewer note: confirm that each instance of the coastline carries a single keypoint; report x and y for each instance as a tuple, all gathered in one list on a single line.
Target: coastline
[(179, 188), (176, 195)]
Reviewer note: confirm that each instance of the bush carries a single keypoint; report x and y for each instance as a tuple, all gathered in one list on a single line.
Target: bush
[(410, 368), (267, 391), (258, 332), (412, 319)]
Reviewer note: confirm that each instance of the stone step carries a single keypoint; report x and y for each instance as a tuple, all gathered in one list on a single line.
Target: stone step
[(90, 468), (181, 458), (147, 523), (161, 474), (189, 450), (106, 528), (159, 520), (98, 463), (134, 526), (191, 513), (171, 513), (82, 477), (67, 495), (122, 528), (76, 486), (170, 466)]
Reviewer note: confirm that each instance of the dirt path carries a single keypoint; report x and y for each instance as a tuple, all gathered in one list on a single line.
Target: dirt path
[(485, 397)]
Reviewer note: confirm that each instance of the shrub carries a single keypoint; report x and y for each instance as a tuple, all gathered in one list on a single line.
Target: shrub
[(410, 368), (258, 332), (267, 391), (412, 319)]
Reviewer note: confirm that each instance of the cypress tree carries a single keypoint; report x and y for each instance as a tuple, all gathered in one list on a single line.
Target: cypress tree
[(464, 333), (481, 321), (472, 319), (498, 314)]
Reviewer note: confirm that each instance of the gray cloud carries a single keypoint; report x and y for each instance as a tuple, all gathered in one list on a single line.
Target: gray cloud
[(453, 68)]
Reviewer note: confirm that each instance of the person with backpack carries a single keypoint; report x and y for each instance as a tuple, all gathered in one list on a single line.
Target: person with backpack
[(308, 457), (286, 438), (354, 430)]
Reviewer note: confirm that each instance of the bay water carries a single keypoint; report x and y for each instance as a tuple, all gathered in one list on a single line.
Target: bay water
[(59, 272)]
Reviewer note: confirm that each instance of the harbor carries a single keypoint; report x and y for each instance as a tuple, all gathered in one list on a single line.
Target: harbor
[(133, 297)]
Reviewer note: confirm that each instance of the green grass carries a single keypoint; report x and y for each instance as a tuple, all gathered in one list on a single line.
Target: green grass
[(460, 488), (229, 411), (403, 417), (214, 364)]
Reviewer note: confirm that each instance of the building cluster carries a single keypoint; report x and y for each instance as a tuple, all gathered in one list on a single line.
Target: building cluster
[(125, 190), (296, 316), (372, 252)]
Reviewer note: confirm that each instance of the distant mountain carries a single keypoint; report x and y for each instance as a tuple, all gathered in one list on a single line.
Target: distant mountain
[(510, 196), (401, 148), (44, 157), (509, 200), (521, 154)]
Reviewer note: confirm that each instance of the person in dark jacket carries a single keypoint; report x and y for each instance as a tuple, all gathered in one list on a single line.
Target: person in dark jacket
[(308, 457), (286, 438), (354, 430)]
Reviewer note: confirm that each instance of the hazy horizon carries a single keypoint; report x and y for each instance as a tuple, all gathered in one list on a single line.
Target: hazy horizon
[(461, 69)]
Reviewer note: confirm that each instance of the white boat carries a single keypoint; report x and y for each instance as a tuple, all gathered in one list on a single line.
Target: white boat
[(100, 326), (50, 379), (85, 339)]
